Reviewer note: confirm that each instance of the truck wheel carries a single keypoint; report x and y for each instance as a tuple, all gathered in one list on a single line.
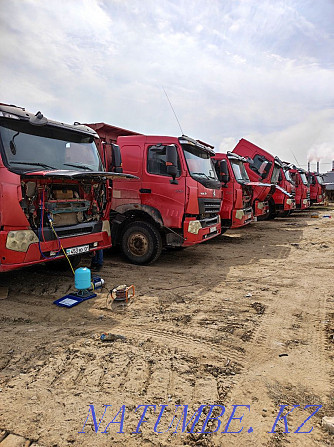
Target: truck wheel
[(272, 211), (141, 243)]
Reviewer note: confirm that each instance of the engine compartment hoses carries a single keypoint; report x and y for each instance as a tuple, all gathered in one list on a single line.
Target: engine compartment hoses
[(61, 246), (41, 228), (41, 233)]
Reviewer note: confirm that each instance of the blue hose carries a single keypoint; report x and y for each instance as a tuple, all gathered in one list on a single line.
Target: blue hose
[(40, 232)]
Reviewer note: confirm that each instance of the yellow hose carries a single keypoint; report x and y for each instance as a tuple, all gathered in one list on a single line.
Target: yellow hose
[(61, 246)]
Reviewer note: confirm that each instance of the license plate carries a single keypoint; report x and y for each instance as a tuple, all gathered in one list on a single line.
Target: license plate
[(77, 250), (213, 229)]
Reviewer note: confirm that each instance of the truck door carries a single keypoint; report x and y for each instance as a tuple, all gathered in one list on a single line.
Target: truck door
[(158, 189)]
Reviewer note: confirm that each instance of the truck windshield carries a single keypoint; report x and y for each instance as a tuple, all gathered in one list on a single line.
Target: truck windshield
[(287, 175), (200, 166), (320, 179), (303, 177), (239, 171), (25, 147), (275, 174)]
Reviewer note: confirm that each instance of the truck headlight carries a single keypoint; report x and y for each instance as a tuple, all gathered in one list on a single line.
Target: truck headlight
[(260, 205), (289, 201), (106, 227), (194, 226), (239, 214), (20, 240)]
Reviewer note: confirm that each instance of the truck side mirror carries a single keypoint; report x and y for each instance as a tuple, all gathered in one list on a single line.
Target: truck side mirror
[(116, 158), (171, 162), (223, 174)]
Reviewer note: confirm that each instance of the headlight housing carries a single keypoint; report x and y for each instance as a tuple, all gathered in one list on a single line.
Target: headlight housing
[(194, 226), (20, 240), (106, 227)]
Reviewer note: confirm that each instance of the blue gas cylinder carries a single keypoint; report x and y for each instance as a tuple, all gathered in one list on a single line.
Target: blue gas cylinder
[(82, 278)]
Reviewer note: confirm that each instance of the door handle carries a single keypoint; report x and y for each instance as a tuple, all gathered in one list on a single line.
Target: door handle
[(145, 191)]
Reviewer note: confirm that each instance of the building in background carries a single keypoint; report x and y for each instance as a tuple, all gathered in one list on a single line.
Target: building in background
[(329, 180)]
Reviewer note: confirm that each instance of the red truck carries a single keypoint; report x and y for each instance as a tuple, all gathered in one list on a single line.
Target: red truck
[(284, 205), (264, 167), (302, 188), (317, 188), (236, 210), (180, 195), (54, 193)]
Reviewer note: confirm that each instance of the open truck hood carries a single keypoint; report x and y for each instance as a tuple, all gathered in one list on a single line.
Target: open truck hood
[(270, 185), (70, 174), (259, 184), (284, 191)]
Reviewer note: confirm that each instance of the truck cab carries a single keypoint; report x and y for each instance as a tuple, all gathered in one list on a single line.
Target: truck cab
[(179, 193), (284, 204), (302, 187), (236, 210), (317, 187), (264, 169), (54, 195)]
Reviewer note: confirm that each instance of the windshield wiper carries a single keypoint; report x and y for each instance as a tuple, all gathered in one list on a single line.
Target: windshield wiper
[(78, 165), (32, 164), (201, 173)]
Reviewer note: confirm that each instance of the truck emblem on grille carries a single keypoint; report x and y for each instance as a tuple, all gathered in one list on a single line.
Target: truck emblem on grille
[(214, 193)]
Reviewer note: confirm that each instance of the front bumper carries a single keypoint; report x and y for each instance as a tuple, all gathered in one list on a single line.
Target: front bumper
[(241, 217), (261, 208), (12, 260), (197, 231), (319, 200), (289, 204), (306, 203)]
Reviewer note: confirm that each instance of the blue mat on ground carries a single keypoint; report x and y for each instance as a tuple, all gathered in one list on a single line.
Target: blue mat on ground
[(73, 299)]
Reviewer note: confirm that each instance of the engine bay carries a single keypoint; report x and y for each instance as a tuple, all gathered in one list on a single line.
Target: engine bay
[(65, 203)]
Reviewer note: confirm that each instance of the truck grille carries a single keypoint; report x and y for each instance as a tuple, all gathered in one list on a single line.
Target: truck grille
[(209, 221), (209, 206), (74, 230)]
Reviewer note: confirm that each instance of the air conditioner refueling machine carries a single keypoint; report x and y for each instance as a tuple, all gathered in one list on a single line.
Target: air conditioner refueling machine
[(85, 285)]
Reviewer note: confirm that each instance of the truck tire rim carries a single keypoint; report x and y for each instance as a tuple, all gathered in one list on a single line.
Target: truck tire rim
[(138, 244)]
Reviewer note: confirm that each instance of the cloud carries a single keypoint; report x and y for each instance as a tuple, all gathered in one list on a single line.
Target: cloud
[(309, 140), (231, 69)]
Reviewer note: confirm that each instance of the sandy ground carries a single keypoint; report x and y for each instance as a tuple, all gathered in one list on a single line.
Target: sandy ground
[(244, 319)]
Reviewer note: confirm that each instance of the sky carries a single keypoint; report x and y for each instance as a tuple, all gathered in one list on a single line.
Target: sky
[(232, 69)]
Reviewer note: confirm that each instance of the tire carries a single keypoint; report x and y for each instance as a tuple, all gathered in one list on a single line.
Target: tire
[(272, 211), (141, 243)]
